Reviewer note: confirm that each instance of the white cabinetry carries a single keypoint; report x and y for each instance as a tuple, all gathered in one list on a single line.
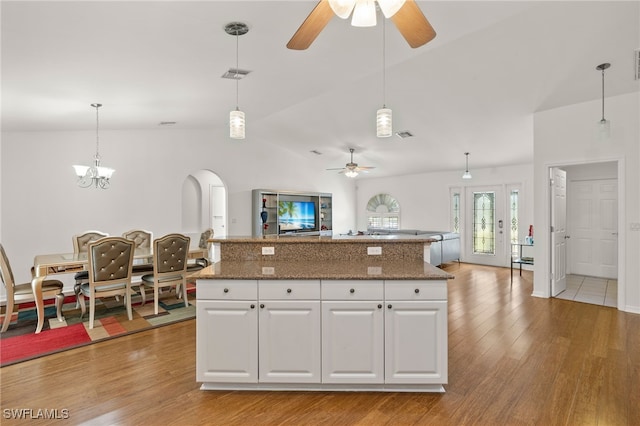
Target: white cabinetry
[(289, 332), (322, 335), (352, 332), (415, 332), (227, 332)]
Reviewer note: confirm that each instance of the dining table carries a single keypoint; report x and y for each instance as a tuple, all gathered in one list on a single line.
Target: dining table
[(45, 265)]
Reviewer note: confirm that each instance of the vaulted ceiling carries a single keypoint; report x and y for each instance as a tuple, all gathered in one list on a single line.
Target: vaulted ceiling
[(473, 88)]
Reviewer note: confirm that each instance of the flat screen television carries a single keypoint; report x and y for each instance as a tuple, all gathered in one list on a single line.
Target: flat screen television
[(297, 216)]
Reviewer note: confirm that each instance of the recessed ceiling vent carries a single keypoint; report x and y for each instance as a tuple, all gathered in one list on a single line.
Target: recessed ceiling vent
[(636, 60), (235, 74), (404, 134), (315, 151)]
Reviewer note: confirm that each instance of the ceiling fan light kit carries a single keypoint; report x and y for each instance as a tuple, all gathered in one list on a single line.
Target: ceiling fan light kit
[(352, 169), (236, 117), (405, 14)]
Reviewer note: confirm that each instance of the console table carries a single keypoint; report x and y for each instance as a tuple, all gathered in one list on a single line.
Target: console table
[(518, 258)]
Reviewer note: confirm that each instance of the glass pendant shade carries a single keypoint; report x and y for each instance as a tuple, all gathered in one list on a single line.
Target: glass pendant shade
[(364, 14), (390, 7), (604, 130), (236, 124), (384, 123), (351, 173), (342, 8), (466, 174)]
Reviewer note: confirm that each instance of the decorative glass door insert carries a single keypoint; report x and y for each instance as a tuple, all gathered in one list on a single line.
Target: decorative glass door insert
[(484, 213)]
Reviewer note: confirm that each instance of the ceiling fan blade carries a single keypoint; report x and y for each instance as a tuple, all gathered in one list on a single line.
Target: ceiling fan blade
[(413, 25), (364, 168), (337, 168), (312, 26)]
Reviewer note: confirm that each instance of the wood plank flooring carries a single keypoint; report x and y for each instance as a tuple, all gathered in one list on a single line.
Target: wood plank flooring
[(513, 360)]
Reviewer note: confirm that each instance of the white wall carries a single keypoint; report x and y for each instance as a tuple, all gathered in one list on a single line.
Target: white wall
[(425, 201), (566, 136), (42, 207)]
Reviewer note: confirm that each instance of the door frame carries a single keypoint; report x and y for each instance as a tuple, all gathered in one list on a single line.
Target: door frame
[(545, 266)]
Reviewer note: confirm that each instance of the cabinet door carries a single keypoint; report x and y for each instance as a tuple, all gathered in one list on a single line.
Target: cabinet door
[(352, 342), (289, 341), (227, 341), (416, 342)]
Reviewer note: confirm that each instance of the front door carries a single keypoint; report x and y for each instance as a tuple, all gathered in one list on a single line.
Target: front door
[(486, 226)]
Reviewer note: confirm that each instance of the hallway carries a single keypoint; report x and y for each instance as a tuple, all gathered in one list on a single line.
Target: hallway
[(597, 291)]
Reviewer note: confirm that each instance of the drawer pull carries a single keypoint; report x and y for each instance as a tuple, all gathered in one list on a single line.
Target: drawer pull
[(253, 306), (226, 290), (262, 306), (288, 290), (353, 290), (417, 290), (389, 306), (379, 306)]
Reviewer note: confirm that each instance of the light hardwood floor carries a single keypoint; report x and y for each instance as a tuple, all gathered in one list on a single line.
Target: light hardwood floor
[(513, 360)]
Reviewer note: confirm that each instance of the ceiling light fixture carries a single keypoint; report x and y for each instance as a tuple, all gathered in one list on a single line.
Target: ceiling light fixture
[(384, 116), (466, 174), (236, 117), (94, 175), (364, 11), (604, 125)]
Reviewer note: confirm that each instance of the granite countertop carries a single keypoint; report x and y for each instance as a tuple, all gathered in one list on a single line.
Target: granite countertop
[(365, 239), (334, 270)]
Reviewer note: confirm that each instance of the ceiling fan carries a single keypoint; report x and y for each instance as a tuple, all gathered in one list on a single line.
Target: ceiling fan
[(405, 14), (352, 169)]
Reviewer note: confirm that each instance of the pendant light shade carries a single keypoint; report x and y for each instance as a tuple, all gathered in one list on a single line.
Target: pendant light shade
[(364, 14), (364, 11), (384, 116), (384, 121), (604, 125), (236, 124), (236, 117), (466, 174)]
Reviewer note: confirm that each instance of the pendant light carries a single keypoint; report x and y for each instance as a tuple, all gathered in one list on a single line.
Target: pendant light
[(384, 116), (94, 175), (236, 117), (604, 125), (466, 174)]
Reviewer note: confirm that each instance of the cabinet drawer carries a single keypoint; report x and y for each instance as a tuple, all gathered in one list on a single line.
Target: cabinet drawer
[(289, 289), (352, 290), (415, 290), (226, 290)]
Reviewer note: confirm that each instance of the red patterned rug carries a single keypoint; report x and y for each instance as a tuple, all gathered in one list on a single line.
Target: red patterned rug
[(20, 343)]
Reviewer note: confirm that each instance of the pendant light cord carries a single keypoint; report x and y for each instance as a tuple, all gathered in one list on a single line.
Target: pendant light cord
[(384, 72), (603, 119), (237, 69)]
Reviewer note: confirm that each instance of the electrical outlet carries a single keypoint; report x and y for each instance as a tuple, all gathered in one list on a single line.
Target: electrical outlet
[(635, 226), (374, 270), (374, 251), (268, 251), (268, 270)]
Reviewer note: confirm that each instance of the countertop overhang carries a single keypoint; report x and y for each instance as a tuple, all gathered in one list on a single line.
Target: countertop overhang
[(333, 270), (338, 239)]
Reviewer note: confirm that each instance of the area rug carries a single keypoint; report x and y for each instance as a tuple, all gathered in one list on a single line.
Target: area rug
[(20, 343)]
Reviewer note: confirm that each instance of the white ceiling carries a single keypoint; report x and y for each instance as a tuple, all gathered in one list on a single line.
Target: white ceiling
[(473, 88)]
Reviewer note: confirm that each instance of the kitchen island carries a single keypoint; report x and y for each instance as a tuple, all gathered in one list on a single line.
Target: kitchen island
[(358, 323)]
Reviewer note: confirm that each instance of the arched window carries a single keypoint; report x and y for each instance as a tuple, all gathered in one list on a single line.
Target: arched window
[(383, 212)]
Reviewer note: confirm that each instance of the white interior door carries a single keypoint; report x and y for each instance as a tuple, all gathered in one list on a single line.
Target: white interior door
[(558, 231), (593, 227), (217, 210)]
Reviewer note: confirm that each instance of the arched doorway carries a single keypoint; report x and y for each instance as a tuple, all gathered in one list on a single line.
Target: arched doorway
[(204, 204)]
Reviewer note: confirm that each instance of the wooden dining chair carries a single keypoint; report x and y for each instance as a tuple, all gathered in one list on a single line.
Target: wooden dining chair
[(17, 293), (169, 267), (110, 264)]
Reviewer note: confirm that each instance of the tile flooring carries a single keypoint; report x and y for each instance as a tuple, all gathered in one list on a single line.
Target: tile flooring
[(597, 291)]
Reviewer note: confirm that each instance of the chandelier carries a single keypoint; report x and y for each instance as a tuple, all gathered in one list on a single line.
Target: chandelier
[(95, 175)]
